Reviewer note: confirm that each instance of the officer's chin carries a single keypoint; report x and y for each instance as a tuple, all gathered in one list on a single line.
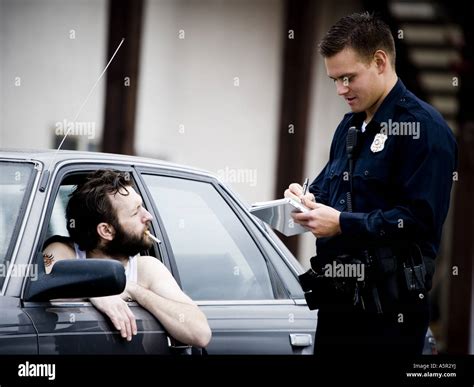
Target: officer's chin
[(355, 109)]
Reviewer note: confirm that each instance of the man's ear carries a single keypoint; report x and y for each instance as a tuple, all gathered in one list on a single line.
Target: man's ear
[(381, 60), (106, 231)]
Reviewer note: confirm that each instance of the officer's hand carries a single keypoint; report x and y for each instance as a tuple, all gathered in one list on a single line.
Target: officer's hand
[(295, 191), (322, 221)]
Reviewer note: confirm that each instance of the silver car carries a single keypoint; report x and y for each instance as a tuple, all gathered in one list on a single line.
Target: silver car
[(238, 271)]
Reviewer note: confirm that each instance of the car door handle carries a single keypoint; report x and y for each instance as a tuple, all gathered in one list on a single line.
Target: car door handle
[(177, 348), (301, 340)]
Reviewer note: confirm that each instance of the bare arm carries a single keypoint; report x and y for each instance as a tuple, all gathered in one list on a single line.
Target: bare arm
[(114, 307), (158, 292), (54, 252)]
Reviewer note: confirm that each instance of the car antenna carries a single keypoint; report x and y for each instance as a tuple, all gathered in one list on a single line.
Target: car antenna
[(45, 177)]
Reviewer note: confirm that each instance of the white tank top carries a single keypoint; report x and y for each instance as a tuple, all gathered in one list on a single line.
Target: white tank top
[(130, 270)]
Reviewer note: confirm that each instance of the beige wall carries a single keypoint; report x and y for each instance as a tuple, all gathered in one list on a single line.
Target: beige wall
[(51, 53), (209, 100), (209, 88)]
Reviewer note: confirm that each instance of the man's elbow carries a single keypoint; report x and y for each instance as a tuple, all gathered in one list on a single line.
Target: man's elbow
[(202, 335)]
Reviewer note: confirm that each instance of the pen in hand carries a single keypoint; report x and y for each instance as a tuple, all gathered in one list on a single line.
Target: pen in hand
[(305, 186)]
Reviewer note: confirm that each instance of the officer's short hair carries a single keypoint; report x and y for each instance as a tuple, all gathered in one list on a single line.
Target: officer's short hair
[(363, 32)]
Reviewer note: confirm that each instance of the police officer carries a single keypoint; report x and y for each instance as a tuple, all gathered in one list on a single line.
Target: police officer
[(386, 208)]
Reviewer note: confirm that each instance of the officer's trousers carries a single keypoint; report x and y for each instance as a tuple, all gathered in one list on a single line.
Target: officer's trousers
[(401, 329)]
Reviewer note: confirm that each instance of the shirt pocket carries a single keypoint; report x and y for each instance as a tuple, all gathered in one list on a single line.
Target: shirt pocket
[(338, 183), (373, 169), (372, 184)]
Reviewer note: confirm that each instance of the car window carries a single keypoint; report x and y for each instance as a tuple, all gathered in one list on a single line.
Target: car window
[(291, 282), (57, 223), (216, 257), (14, 180)]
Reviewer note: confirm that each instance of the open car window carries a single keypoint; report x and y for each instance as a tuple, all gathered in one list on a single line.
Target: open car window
[(57, 222), (216, 257)]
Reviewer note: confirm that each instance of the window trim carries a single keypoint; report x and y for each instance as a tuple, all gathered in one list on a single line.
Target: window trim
[(53, 191), (280, 250), (25, 209), (250, 223), (157, 216), (278, 301), (279, 288)]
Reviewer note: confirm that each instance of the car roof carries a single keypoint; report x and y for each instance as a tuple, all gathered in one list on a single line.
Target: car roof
[(53, 157)]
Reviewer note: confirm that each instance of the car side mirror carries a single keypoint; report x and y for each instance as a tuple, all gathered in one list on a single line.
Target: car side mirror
[(78, 278)]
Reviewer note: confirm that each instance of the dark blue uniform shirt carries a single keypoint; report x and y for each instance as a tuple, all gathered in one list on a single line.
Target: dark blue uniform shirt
[(400, 192)]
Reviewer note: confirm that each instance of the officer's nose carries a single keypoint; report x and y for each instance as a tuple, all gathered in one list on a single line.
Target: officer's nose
[(341, 87)]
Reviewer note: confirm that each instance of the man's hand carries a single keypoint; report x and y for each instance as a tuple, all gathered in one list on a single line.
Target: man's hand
[(119, 313), (295, 191), (322, 221)]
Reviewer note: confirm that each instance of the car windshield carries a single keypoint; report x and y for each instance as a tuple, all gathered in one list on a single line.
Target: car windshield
[(14, 181)]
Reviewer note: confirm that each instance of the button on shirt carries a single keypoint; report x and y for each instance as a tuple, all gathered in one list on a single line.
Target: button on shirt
[(402, 178)]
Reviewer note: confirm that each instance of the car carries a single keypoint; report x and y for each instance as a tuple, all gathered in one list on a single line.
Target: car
[(228, 261), (236, 269)]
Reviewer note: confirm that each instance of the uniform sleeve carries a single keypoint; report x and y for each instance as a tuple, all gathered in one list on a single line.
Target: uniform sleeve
[(319, 187), (425, 176)]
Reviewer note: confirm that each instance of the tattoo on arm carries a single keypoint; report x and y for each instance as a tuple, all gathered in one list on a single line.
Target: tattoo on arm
[(48, 259)]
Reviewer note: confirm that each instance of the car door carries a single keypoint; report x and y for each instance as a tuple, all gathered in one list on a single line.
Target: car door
[(17, 333), (222, 264), (76, 326)]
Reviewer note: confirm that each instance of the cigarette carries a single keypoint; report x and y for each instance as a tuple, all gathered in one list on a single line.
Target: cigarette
[(147, 232)]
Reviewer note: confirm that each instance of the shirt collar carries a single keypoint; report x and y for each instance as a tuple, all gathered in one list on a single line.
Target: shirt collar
[(385, 110)]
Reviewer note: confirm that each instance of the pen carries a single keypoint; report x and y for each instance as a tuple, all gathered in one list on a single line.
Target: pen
[(305, 186)]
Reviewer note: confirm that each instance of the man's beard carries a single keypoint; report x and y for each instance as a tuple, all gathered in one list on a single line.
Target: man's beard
[(126, 243)]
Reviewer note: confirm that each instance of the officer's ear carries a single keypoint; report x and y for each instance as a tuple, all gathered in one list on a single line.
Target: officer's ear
[(381, 61)]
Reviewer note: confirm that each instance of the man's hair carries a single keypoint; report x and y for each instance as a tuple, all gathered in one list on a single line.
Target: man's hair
[(90, 204), (363, 32)]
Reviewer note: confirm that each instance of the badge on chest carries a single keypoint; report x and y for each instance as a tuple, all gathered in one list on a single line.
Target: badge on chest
[(378, 143)]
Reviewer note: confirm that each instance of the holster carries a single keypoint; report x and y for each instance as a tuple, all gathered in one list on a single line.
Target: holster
[(321, 290), (389, 273)]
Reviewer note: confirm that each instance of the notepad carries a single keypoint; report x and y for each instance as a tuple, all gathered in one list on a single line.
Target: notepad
[(277, 214)]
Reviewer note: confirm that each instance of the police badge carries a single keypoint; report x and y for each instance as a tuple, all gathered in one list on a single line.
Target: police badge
[(378, 143)]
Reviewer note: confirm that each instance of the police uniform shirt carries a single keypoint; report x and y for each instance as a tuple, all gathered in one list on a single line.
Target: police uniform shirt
[(402, 177)]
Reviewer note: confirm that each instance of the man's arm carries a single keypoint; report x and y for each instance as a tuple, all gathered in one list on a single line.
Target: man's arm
[(158, 292), (56, 251), (319, 187), (114, 307)]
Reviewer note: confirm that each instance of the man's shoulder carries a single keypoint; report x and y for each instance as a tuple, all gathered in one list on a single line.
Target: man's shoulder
[(414, 108), (432, 125), (59, 240), (150, 269), (148, 260), (344, 124), (348, 117)]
